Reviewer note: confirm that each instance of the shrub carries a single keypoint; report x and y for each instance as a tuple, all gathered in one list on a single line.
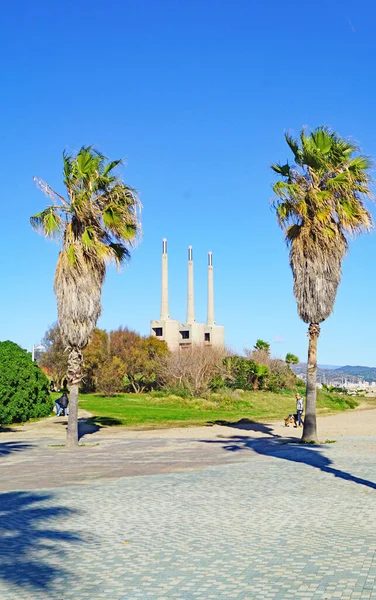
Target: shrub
[(279, 375), (23, 386), (191, 370), (237, 372)]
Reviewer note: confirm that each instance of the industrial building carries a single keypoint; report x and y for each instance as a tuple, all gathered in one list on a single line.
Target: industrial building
[(184, 335)]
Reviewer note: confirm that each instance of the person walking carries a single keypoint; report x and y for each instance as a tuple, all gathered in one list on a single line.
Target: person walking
[(62, 403), (299, 410), (57, 407)]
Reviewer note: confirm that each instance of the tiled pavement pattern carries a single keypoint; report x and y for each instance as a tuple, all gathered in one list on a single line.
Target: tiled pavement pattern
[(286, 522)]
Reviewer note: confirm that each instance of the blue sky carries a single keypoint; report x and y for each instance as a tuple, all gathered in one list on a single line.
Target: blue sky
[(196, 95)]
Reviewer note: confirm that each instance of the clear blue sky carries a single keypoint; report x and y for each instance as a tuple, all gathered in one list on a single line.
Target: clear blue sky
[(196, 95)]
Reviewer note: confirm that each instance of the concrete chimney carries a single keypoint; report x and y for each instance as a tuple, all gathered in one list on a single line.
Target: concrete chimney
[(190, 295), (210, 318), (164, 301)]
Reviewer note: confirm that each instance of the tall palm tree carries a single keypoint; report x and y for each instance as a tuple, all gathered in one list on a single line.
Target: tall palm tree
[(320, 203), (97, 222)]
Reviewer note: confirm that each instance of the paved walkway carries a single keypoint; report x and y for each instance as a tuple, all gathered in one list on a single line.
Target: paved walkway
[(242, 515)]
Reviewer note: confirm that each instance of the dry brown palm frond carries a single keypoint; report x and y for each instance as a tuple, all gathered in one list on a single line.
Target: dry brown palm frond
[(78, 291), (316, 265)]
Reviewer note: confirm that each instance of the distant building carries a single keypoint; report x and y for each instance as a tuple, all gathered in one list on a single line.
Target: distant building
[(182, 335)]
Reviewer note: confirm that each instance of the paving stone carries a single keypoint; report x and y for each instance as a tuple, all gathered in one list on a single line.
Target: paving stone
[(286, 522)]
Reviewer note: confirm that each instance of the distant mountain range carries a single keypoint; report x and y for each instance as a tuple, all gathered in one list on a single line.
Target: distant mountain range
[(334, 375)]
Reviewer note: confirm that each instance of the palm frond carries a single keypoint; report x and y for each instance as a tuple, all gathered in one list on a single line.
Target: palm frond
[(48, 222), (323, 139), (283, 170), (294, 147), (110, 166)]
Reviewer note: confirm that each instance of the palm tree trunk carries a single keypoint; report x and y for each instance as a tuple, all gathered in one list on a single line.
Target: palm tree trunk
[(75, 362), (309, 430)]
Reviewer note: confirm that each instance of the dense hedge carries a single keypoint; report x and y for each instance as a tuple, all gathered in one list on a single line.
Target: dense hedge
[(23, 386)]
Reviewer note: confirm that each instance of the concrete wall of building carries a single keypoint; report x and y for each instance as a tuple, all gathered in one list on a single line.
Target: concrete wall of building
[(216, 335), (170, 332), (195, 332)]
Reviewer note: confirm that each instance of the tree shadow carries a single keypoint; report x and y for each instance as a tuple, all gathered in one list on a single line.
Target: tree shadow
[(7, 448), (94, 424), (87, 426), (291, 450), (104, 421), (247, 425), (30, 543)]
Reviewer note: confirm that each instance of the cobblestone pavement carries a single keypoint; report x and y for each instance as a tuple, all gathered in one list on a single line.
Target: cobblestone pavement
[(284, 521)]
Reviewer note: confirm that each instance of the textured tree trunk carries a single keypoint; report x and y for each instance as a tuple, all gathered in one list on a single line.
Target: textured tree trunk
[(75, 362), (309, 430)]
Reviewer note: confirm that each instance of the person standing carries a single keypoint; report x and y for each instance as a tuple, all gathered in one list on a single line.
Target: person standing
[(63, 404), (299, 410)]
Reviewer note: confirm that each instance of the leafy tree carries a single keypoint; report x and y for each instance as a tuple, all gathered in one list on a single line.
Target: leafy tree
[(55, 358), (23, 386), (97, 222), (320, 203), (95, 355), (260, 345), (110, 376), (291, 359), (140, 357)]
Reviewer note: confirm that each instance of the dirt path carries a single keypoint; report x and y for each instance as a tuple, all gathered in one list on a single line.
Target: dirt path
[(358, 422)]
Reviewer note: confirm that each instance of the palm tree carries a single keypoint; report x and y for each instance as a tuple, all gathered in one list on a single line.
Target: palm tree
[(320, 203), (291, 359), (260, 345), (97, 222)]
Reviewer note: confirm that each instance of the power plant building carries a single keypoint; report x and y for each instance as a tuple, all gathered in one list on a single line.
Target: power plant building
[(184, 335)]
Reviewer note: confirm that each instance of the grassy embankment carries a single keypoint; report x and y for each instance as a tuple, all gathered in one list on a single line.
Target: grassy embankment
[(148, 411)]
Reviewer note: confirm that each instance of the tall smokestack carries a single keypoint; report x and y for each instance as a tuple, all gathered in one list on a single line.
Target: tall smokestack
[(164, 301), (210, 318), (190, 296)]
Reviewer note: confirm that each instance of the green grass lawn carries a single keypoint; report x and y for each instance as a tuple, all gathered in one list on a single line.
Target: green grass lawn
[(147, 411)]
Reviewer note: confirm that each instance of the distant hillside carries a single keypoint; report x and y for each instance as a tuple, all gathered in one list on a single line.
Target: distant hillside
[(338, 375), (366, 373)]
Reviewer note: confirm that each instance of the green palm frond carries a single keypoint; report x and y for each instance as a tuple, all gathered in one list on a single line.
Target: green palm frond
[(294, 147), (359, 164), (120, 252), (48, 222), (323, 139), (101, 215), (281, 169), (110, 166)]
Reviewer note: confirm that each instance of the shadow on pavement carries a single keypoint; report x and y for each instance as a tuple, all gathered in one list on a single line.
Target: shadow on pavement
[(7, 448), (94, 424), (87, 426), (30, 543), (247, 425), (288, 449)]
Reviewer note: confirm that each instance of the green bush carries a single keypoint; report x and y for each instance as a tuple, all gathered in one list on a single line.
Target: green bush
[(23, 386), (238, 372), (182, 392)]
